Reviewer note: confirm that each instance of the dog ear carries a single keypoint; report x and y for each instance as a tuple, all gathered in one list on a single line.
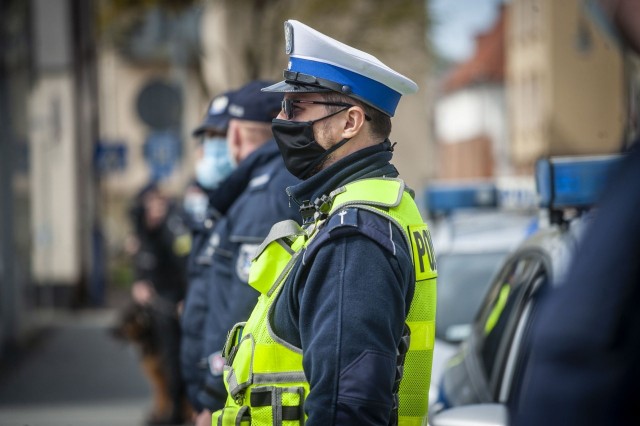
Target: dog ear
[(127, 319)]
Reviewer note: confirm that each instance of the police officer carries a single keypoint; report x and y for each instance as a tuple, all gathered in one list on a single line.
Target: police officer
[(163, 243), (216, 165), (202, 203), (246, 222), (348, 300), (219, 181), (585, 349)]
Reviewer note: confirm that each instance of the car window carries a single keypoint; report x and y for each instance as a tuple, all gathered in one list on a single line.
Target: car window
[(521, 350), (463, 280), (499, 316)]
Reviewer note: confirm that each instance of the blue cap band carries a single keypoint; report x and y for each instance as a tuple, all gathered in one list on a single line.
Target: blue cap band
[(370, 91)]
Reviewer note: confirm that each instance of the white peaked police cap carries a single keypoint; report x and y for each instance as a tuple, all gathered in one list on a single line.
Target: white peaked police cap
[(318, 63)]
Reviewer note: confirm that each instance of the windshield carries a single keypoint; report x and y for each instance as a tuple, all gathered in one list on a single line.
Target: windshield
[(463, 280)]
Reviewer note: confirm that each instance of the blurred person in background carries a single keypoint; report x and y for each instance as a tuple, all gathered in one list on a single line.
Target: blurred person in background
[(217, 183), (205, 201), (213, 165), (585, 349), (162, 244), (246, 204)]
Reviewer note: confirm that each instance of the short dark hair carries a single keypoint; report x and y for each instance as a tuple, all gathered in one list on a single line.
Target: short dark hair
[(380, 122)]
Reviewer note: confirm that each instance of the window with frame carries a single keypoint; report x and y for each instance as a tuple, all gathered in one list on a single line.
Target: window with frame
[(498, 317)]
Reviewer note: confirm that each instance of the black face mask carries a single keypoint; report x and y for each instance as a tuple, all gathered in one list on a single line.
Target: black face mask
[(301, 153)]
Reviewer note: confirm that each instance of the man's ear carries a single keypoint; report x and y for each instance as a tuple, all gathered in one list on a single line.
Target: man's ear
[(354, 122), (233, 135), (234, 139)]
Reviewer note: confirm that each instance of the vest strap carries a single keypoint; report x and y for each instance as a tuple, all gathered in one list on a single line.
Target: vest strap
[(283, 229), (276, 404), (369, 192), (285, 377)]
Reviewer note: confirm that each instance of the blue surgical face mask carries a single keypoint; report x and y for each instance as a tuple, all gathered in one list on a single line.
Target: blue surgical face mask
[(195, 204), (216, 163)]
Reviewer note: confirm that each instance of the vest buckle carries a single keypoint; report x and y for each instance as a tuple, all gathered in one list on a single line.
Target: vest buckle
[(318, 210), (307, 211), (322, 207)]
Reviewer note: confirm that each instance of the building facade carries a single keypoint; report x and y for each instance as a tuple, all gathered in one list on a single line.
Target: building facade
[(565, 83), (471, 115)]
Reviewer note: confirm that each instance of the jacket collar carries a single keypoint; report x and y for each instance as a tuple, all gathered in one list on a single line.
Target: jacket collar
[(373, 161)]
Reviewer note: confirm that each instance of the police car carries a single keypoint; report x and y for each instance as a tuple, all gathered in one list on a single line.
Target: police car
[(486, 372), (472, 235)]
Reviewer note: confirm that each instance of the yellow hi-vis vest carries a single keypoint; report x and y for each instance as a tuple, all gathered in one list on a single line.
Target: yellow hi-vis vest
[(263, 374)]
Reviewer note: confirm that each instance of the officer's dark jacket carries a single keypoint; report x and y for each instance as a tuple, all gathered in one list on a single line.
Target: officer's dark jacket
[(345, 306), (200, 231), (192, 320), (221, 296), (585, 346), (158, 261), (204, 242)]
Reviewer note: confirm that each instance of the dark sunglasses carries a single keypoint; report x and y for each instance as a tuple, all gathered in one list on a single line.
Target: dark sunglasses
[(287, 106)]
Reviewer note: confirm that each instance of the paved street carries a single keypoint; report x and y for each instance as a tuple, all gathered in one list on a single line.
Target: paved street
[(74, 373)]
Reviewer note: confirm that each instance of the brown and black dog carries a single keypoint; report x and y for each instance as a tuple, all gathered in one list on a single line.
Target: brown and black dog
[(135, 325)]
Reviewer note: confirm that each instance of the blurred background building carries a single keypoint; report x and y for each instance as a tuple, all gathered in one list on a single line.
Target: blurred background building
[(557, 63), (99, 97), (471, 112)]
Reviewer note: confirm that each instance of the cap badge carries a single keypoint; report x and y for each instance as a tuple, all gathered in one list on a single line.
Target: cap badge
[(218, 105), (288, 38)]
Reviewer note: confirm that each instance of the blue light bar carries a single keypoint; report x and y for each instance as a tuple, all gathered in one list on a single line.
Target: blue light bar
[(577, 182), (444, 198)]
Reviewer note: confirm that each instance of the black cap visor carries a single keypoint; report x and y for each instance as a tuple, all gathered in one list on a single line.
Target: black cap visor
[(304, 83), (287, 86), (214, 124)]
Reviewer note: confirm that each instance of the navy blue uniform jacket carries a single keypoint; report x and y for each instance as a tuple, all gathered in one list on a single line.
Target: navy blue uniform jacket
[(345, 306), (254, 196), (585, 362)]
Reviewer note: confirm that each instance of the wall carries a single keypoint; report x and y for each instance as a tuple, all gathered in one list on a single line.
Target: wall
[(588, 99), (565, 83), (471, 133), (54, 177)]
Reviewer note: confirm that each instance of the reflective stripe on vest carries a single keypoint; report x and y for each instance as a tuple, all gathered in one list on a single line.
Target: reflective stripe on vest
[(261, 367)]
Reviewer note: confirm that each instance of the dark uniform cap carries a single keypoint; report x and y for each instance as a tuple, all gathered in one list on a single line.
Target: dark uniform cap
[(318, 63), (250, 103), (217, 118)]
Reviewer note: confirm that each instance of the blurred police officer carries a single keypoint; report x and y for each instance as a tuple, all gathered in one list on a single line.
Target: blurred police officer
[(213, 165), (246, 222), (347, 301), (584, 367), (219, 181), (216, 169), (163, 243)]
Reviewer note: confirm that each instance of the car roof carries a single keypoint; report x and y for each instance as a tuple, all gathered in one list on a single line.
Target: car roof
[(557, 243), (473, 231)]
